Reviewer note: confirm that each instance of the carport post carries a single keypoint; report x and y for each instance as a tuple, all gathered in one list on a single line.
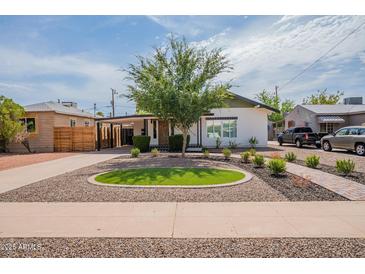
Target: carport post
[(111, 135), (98, 136)]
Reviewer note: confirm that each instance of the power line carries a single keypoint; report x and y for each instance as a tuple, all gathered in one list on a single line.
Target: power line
[(318, 59)]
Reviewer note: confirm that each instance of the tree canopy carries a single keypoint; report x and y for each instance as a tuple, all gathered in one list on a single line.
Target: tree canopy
[(273, 100), (10, 126), (178, 83), (322, 97)]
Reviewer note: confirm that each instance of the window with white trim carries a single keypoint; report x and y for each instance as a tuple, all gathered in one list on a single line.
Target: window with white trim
[(230, 128), (214, 128), (326, 127)]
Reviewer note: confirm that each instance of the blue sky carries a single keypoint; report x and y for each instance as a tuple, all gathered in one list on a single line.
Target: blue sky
[(79, 57)]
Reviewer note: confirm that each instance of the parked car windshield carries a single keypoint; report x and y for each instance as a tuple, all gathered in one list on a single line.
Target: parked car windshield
[(362, 131), (303, 130)]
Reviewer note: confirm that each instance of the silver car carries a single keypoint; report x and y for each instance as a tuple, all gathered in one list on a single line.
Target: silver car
[(350, 138)]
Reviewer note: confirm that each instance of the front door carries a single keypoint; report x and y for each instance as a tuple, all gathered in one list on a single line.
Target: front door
[(163, 132)]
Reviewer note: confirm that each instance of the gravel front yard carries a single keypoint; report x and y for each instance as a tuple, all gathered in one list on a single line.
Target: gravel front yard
[(201, 248), (73, 186)]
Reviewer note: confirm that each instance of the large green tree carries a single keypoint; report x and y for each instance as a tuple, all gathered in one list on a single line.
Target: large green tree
[(10, 126), (322, 97), (273, 100), (178, 83)]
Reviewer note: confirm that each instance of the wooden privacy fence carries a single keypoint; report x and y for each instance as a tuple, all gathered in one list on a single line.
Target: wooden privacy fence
[(74, 139)]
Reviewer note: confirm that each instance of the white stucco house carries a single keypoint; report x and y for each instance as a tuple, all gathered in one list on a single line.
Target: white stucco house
[(241, 119)]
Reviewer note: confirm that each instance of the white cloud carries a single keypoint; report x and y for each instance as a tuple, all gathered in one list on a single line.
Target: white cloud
[(271, 57), (69, 77)]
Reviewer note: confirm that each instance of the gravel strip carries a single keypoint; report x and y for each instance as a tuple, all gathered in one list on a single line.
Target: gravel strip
[(182, 248), (73, 186), (358, 177)]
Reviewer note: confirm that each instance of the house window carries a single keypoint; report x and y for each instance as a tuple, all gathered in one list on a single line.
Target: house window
[(72, 123), (87, 123), (214, 129), (230, 128), (29, 124), (326, 127), (154, 124)]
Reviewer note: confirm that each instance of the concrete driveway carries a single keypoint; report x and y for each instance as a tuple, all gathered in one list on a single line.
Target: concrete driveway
[(327, 158)]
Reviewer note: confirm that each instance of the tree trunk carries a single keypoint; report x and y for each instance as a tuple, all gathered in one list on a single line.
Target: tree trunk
[(185, 136)]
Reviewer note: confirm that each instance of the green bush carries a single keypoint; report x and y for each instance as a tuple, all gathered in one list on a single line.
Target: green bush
[(345, 166), (253, 141), (218, 142), (290, 156), (135, 152), (227, 153), (252, 152), (176, 142), (312, 161), (277, 166), (245, 156), (141, 142), (206, 153), (258, 160), (155, 152)]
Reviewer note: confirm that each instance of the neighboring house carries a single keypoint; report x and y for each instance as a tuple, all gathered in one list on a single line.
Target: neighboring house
[(44, 120), (327, 118), (236, 123)]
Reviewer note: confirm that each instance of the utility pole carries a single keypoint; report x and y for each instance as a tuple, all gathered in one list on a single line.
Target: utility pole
[(113, 102), (94, 109), (276, 91)]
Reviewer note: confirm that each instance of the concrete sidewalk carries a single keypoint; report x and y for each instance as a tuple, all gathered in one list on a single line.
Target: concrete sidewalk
[(184, 220), (17, 177)]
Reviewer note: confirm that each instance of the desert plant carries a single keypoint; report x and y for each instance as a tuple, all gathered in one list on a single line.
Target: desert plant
[(142, 142), (206, 153), (245, 156), (227, 153), (253, 141), (275, 155), (312, 161), (290, 156), (258, 160), (252, 152), (218, 142), (345, 166), (277, 166), (155, 152), (232, 144), (135, 152)]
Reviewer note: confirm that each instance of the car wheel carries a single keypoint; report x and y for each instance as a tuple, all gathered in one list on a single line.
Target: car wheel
[(326, 146), (298, 143), (360, 149)]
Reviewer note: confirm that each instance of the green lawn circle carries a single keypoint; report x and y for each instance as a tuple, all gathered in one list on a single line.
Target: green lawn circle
[(175, 176)]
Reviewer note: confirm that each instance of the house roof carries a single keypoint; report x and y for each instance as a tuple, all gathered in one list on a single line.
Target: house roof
[(335, 109), (253, 102), (58, 108)]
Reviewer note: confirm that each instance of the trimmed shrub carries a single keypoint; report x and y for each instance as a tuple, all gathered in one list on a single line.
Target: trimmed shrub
[(252, 152), (345, 166), (176, 142), (245, 156), (155, 152), (290, 156), (206, 153), (277, 166), (135, 152), (258, 160), (227, 153), (141, 142), (312, 161)]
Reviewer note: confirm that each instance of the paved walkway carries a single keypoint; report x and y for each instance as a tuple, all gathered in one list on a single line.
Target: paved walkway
[(17, 177), (184, 220), (347, 188)]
